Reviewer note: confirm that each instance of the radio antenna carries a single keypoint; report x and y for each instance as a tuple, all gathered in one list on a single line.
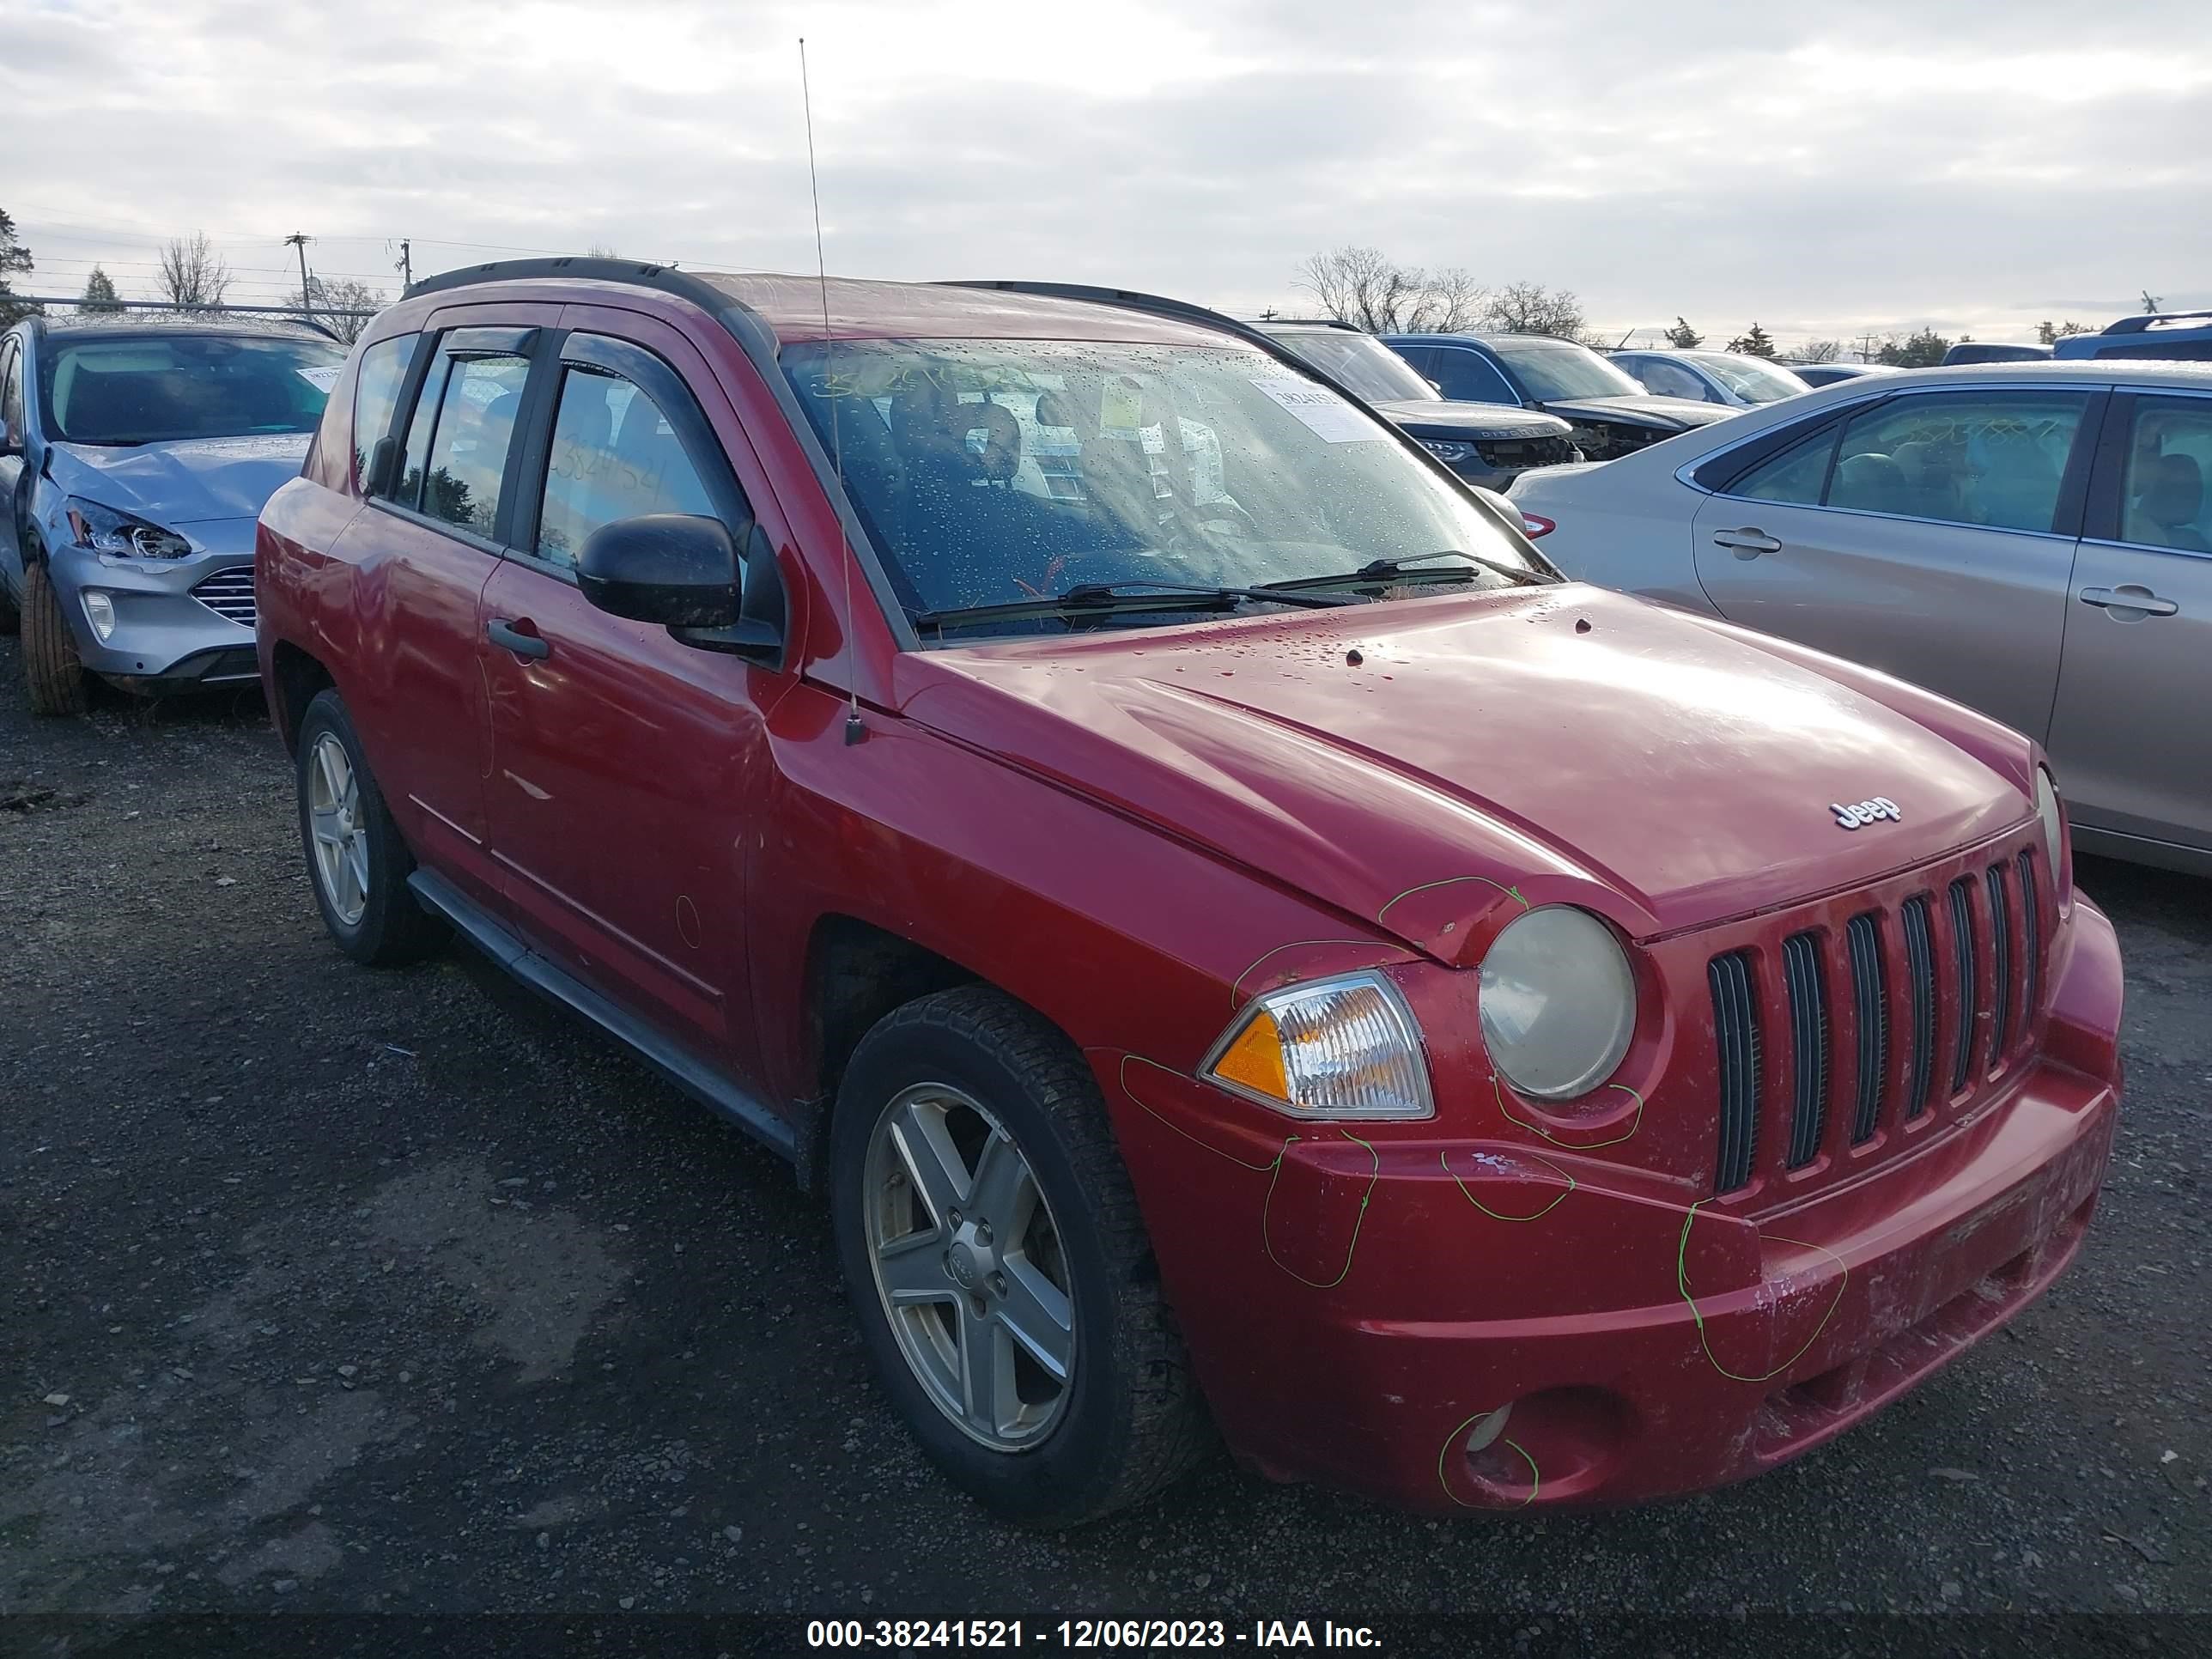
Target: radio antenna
[(855, 731)]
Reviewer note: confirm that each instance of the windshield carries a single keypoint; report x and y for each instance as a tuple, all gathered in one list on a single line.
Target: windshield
[(1749, 378), (1560, 368), (1362, 362), (991, 472), (148, 387)]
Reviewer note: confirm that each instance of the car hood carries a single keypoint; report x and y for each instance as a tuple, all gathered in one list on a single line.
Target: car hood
[(187, 481), (1428, 417), (1524, 745), (1660, 414)]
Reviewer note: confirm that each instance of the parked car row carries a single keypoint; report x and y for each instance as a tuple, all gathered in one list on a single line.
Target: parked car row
[(2030, 539), (1245, 943)]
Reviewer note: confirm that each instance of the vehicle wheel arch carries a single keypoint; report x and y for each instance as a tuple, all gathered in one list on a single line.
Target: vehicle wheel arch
[(299, 675)]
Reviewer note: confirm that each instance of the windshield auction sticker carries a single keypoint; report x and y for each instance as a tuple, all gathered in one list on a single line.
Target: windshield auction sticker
[(1333, 419)]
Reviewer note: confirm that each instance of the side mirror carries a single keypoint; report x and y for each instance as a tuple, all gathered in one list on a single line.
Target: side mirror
[(681, 570)]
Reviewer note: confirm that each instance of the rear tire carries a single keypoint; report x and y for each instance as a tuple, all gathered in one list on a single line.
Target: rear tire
[(972, 1072), (53, 674), (357, 862)]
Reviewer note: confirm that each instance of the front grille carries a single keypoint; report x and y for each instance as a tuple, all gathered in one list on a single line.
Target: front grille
[(1903, 975), (1870, 1012), (1735, 1020), (1519, 454), (1920, 967), (1966, 979), (2000, 952), (230, 594), (1808, 1045)]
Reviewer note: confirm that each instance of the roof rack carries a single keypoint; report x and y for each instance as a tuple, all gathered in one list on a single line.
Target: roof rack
[(2149, 320), (584, 267)]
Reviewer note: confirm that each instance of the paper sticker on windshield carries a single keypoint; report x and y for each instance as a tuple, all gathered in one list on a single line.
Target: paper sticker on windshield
[(322, 379), (1333, 419), (1120, 409)]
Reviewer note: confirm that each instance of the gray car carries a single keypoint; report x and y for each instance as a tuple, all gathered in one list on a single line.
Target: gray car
[(135, 456), (2029, 539), (1733, 378)]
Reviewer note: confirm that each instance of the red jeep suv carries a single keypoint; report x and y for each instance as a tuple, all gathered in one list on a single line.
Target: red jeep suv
[(1242, 942)]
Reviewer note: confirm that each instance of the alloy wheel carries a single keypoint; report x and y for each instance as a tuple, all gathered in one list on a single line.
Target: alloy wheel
[(970, 1267), (341, 839)]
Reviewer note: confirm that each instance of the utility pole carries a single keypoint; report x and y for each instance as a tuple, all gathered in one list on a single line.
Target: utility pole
[(406, 266), (300, 239)]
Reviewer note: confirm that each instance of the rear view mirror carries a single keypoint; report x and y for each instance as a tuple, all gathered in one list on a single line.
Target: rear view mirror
[(681, 570), (675, 568)]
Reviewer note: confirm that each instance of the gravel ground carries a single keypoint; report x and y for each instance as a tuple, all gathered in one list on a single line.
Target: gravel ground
[(358, 1291)]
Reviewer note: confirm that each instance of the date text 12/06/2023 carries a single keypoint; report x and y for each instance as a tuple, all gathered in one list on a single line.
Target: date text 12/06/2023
[(1086, 1633)]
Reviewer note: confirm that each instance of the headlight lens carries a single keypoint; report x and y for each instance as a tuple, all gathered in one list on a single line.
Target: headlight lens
[(1335, 1049), (1446, 451), (106, 531), (1557, 1001), (2054, 819)]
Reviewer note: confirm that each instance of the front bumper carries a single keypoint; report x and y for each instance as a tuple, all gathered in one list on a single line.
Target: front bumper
[(169, 635), (1357, 1309)]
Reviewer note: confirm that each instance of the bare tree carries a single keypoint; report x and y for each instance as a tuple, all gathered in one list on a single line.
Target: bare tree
[(1363, 286), (343, 306), (602, 251), (1532, 308), (1820, 351), (192, 274)]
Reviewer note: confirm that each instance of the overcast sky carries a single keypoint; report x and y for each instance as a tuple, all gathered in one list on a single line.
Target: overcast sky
[(1825, 168)]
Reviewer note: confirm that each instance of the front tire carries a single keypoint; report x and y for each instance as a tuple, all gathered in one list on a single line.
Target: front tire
[(357, 862), (53, 674), (994, 1250)]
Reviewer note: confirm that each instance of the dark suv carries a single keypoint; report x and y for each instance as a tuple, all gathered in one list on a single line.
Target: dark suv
[(2167, 336), (1220, 915), (1489, 444), (1610, 413)]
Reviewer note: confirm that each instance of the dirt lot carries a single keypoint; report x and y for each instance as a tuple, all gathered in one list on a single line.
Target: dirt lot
[(349, 1290)]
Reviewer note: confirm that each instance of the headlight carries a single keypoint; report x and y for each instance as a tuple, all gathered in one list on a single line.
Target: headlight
[(1337, 1048), (2054, 820), (1446, 451), (1558, 1002), (106, 531)]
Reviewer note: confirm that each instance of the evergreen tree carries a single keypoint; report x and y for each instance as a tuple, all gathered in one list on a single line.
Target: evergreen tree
[(98, 292), (1757, 343), (14, 260), (1683, 337)]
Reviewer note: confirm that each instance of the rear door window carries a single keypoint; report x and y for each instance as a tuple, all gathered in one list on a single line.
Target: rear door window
[(1994, 459), (1468, 376), (459, 440)]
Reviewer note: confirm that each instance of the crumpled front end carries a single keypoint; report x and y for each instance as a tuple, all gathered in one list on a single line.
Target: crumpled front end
[(1507, 1307)]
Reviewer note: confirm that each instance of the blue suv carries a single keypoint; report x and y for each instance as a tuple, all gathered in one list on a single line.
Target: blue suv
[(135, 455), (2165, 336)]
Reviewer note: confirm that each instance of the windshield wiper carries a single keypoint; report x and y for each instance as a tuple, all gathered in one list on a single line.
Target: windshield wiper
[(1109, 598), (1382, 570)]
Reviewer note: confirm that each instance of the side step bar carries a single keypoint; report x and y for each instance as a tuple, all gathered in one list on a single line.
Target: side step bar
[(674, 1062)]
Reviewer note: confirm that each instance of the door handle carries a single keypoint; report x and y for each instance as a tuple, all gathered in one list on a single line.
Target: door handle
[(1747, 543), (508, 636), (2130, 596)]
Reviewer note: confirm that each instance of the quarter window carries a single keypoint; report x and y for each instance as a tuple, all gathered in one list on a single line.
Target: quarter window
[(1993, 460), (1795, 477), (376, 398), (2162, 488), (457, 445), (11, 391), (615, 455)]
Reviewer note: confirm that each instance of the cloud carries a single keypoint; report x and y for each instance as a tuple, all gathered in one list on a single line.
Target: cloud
[(1856, 167)]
